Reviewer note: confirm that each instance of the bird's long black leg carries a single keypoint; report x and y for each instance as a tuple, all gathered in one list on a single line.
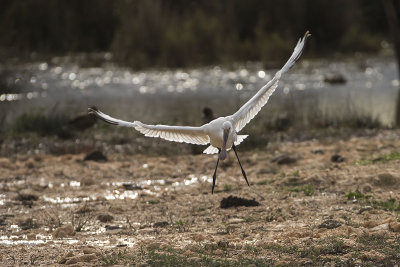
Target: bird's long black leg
[(215, 173), (243, 172)]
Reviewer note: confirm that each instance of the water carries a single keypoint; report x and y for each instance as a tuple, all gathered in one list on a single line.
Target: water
[(179, 96)]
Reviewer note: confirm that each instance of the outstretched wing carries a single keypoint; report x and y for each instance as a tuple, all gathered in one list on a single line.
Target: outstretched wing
[(192, 135), (249, 110), (110, 119)]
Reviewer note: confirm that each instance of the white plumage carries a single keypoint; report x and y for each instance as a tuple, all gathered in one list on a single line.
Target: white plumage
[(221, 133)]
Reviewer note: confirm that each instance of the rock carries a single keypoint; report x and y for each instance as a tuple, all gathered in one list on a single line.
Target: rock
[(394, 226), (31, 236), (160, 224), (198, 237), (370, 224), (95, 156), (386, 179), (87, 181), (105, 217), (337, 158), (365, 208), (317, 151), (90, 250), (235, 220), (334, 78), (232, 201), (27, 195), (381, 227), (371, 255), (187, 253), (330, 224), (283, 159), (223, 243), (64, 231), (81, 258), (367, 188), (66, 256), (218, 252), (132, 187)]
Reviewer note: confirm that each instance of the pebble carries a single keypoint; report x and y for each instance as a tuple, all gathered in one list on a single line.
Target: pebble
[(198, 237), (87, 181), (218, 252), (105, 217), (235, 220), (223, 243), (90, 250), (337, 158), (64, 231), (386, 179), (330, 224), (187, 253), (371, 224), (95, 156), (81, 258), (283, 159), (65, 257), (394, 226)]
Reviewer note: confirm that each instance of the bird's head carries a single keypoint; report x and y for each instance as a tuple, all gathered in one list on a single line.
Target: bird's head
[(227, 126)]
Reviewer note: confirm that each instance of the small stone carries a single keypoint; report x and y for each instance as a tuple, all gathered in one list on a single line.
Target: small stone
[(330, 224), (95, 156), (283, 159), (105, 217), (31, 236), (394, 226), (381, 227), (218, 252), (27, 195), (370, 224), (64, 231), (82, 258), (199, 237), (386, 179), (235, 220), (365, 208), (223, 243), (90, 251), (87, 181), (160, 224), (187, 253), (337, 158), (232, 201), (66, 256)]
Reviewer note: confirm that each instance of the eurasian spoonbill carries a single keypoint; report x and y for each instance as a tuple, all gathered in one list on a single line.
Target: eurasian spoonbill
[(221, 133)]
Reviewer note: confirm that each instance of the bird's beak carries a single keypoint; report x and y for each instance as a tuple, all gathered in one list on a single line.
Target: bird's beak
[(222, 154)]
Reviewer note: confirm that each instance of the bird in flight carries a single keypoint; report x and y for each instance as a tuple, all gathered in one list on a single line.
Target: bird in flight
[(221, 133)]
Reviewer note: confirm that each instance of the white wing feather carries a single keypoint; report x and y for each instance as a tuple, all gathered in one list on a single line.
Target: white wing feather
[(249, 110), (214, 150), (110, 119), (186, 134), (192, 135)]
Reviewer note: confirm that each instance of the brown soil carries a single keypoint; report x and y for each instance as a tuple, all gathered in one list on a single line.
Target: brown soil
[(57, 210)]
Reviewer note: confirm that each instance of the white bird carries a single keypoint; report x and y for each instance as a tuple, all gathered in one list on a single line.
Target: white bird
[(221, 133)]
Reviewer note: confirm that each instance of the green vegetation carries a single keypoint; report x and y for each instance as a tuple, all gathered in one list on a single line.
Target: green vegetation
[(39, 123), (227, 188), (165, 33), (388, 205), (308, 189), (380, 159), (153, 201)]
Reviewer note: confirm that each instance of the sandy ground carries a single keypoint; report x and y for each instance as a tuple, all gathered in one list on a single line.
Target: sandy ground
[(146, 210)]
